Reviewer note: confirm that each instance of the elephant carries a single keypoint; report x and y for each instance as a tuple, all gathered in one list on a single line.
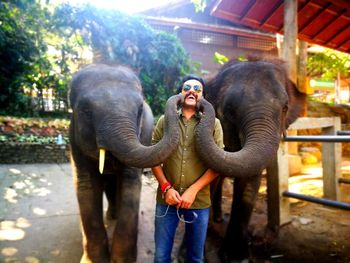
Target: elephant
[(110, 134), (255, 102)]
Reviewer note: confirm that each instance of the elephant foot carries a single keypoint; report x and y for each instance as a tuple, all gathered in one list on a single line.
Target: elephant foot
[(86, 259), (227, 257), (246, 260), (118, 259)]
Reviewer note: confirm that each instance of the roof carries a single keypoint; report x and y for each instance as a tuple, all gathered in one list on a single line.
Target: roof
[(322, 22), (182, 13)]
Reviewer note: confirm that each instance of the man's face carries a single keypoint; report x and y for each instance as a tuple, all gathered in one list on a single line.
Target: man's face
[(192, 90)]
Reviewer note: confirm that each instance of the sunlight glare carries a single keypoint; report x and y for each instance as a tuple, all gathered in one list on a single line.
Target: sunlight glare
[(14, 171), (9, 251), (8, 231), (39, 211), (41, 191), (130, 6), (32, 260), (10, 195), (22, 222)]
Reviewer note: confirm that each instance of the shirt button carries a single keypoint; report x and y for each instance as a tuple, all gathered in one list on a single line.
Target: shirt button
[(184, 149), (182, 175)]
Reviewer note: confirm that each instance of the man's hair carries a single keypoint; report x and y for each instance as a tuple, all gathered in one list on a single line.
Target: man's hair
[(188, 77)]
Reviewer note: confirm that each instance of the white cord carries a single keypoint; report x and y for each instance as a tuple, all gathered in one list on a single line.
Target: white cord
[(181, 218)]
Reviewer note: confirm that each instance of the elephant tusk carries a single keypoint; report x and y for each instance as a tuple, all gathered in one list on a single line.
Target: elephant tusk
[(102, 160)]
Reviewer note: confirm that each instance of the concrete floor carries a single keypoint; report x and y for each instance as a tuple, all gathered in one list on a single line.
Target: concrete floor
[(39, 220)]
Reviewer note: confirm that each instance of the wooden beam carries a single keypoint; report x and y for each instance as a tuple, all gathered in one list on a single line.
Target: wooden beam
[(331, 163), (247, 9), (342, 43), (229, 30), (278, 210), (313, 17), (341, 3), (290, 37), (334, 19), (311, 123), (272, 11), (300, 8), (340, 30), (302, 70)]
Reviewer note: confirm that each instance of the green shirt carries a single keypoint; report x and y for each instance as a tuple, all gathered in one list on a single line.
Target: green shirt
[(184, 166)]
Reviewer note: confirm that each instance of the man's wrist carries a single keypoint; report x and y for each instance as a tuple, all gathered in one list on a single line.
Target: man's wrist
[(165, 186), (166, 190)]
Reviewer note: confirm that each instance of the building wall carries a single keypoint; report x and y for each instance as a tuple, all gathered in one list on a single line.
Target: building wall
[(202, 45)]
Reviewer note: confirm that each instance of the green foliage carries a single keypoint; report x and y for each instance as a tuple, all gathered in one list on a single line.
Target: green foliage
[(24, 138), (242, 58), (326, 65), (220, 58), (117, 38), (40, 49), (26, 65), (199, 5), (17, 53)]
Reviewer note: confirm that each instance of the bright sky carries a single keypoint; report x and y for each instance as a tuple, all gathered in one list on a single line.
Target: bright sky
[(127, 6)]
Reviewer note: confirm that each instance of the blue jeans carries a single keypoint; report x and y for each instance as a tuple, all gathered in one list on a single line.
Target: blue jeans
[(166, 222)]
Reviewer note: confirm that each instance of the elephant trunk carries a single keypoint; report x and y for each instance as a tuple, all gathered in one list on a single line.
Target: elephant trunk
[(259, 145), (125, 144)]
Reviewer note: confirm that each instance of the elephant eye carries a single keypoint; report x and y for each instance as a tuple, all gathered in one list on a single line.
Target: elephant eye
[(285, 108), (86, 113)]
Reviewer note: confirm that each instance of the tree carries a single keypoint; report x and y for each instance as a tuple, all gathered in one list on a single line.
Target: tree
[(327, 64), (17, 53), (41, 47), (117, 38), (26, 65)]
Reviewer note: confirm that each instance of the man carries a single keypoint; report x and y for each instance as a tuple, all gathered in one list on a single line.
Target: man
[(184, 191)]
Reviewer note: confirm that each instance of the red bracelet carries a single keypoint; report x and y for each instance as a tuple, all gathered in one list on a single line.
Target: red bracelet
[(164, 186)]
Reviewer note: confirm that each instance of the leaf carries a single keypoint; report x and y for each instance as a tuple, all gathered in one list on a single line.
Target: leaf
[(220, 58)]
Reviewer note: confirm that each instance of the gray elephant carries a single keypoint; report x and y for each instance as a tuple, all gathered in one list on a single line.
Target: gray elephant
[(110, 131), (255, 102)]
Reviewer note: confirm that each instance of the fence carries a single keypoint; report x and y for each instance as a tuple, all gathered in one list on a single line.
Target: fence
[(278, 171)]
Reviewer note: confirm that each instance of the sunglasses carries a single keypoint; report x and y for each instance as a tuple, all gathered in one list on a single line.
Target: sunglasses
[(196, 88)]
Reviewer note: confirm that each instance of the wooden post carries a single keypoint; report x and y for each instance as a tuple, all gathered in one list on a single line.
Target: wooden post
[(331, 163), (290, 28), (302, 63), (278, 171), (289, 46), (277, 183), (302, 79)]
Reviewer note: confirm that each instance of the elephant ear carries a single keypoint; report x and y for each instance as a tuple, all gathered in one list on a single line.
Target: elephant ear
[(296, 103)]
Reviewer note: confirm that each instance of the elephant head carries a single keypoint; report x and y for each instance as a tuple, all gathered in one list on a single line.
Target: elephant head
[(109, 114), (256, 102)]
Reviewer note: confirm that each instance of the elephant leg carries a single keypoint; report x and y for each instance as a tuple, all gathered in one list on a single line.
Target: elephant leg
[(89, 193), (124, 246), (235, 245), (216, 193), (112, 190)]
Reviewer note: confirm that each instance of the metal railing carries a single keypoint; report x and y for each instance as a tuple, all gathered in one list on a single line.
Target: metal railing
[(331, 163)]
